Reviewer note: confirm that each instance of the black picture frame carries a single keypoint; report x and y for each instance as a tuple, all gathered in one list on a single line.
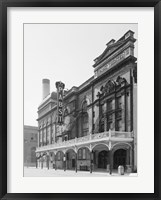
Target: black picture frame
[(156, 4)]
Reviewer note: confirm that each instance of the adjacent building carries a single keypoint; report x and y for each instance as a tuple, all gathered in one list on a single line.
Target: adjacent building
[(30, 145), (93, 126)]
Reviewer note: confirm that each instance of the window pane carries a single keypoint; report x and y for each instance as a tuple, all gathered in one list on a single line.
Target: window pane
[(109, 105), (84, 107), (119, 102), (84, 153), (79, 153), (85, 124)]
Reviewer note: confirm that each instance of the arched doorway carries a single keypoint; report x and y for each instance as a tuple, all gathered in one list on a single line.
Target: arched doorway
[(119, 158), (51, 160), (103, 159), (59, 160), (100, 157), (83, 159), (70, 159)]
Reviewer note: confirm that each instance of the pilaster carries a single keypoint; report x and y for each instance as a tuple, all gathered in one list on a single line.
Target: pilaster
[(135, 124)]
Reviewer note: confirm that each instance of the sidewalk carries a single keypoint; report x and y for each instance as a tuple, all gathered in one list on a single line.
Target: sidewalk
[(38, 172)]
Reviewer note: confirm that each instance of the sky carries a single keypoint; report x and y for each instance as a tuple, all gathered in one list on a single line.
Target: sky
[(63, 52)]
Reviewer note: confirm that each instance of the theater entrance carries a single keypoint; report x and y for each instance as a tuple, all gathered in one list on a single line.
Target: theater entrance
[(119, 158), (103, 159)]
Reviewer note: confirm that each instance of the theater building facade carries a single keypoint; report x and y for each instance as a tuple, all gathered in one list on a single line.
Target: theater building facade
[(94, 126)]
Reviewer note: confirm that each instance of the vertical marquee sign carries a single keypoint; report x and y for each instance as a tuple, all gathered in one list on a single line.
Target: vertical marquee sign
[(60, 91)]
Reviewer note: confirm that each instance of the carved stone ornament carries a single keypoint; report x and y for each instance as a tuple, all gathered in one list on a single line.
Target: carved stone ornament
[(110, 86), (121, 81), (99, 94), (59, 84)]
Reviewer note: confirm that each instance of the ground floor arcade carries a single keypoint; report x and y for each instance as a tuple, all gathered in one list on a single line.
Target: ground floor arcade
[(90, 157)]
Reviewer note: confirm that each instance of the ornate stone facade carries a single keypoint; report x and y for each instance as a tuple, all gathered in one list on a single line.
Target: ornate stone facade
[(98, 130)]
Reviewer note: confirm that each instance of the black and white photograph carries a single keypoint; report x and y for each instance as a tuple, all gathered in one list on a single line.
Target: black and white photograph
[(80, 99)]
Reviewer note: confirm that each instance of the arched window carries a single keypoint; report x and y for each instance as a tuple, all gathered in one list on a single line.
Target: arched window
[(102, 124), (41, 138), (85, 124), (84, 106), (85, 120), (102, 111)]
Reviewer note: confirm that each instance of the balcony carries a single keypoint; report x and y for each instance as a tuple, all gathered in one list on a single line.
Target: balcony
[(89, 139)]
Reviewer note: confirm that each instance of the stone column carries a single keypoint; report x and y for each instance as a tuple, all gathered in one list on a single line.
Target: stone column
[(91, 161), (96, 156), (105, 121), (128, 156), (42, 160), (55, 133), (76, 162), (131, 158), (113, 115), (64, 161), (99, 115), (125, 108), (38, 138), (49, 128), (55, 160), (47, 160), (46, 133), (42, 136), (110, 154), (51, 133), (81, 121), (110, 161), (122, 112)]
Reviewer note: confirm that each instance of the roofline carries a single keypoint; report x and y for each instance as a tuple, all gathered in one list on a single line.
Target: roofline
[(55, 107), (78, 88), (123, 42), (93, 82)]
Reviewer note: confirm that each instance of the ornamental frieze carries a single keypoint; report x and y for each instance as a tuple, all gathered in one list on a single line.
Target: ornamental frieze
[(112, 86)]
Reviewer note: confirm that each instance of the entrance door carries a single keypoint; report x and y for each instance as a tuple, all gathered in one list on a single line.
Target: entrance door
[(73, 163), (70, 160), (102, 159), (119, 158)]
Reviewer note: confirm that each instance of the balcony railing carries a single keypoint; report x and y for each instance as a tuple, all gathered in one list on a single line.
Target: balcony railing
[(108, 135)]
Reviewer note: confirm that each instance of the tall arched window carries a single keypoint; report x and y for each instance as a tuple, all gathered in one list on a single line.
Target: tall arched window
[(102, 124), (84, 106), (85, 120)]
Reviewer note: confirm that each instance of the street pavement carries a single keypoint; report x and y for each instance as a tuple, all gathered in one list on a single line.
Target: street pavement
[(38, 172)]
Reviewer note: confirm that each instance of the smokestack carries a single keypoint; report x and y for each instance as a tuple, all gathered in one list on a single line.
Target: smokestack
[(45, 88)]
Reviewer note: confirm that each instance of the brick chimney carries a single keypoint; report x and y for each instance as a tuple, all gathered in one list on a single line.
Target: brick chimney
[(45, 88)]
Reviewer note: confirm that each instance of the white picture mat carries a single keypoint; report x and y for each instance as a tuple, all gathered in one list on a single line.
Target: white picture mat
[(144, 182)]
